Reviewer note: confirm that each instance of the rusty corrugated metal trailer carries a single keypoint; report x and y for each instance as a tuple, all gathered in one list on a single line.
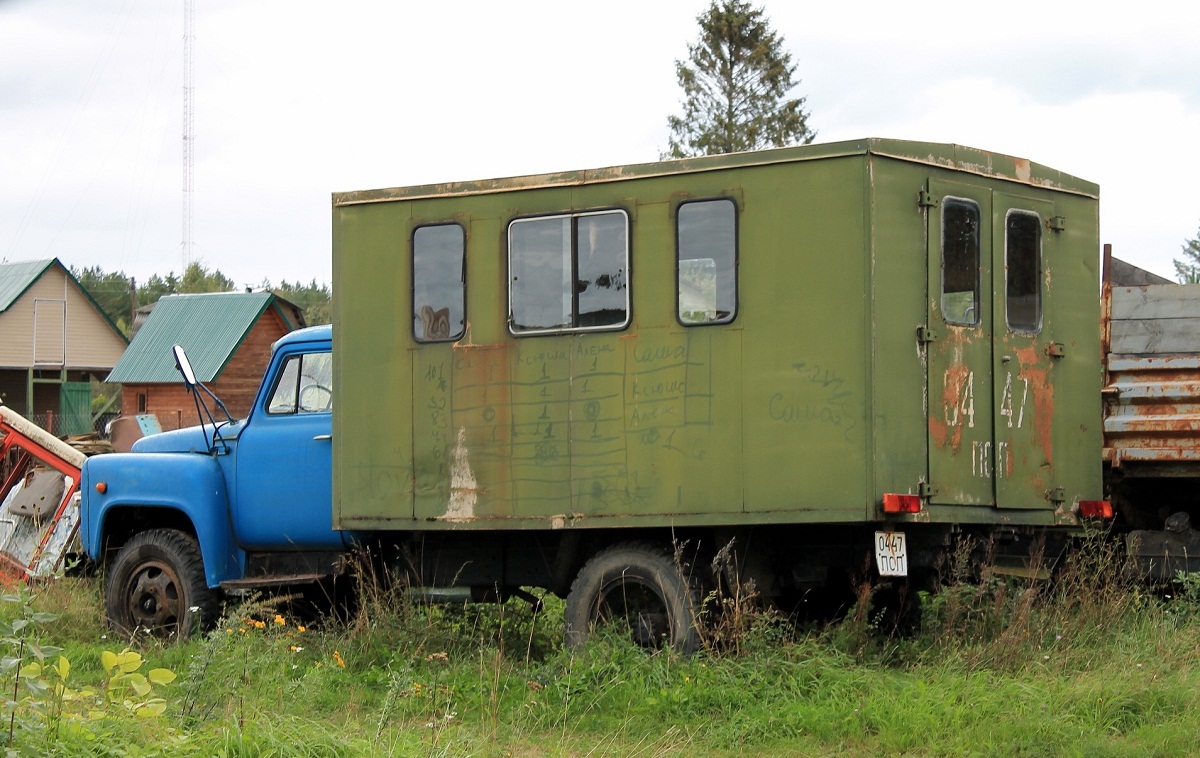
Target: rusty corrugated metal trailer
[(1152, 421)]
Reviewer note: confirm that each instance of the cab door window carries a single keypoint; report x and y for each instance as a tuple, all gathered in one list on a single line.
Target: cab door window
[(305, 385)]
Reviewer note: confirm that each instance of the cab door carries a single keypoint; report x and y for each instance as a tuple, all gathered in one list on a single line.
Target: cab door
[(959, 345), (284, 471)]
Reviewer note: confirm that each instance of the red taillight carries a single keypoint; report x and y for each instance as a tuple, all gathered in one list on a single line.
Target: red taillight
[(897, 503), (1095, 509)]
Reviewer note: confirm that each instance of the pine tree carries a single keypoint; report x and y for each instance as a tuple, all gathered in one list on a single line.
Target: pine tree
[(1188, 269), (736, 83)]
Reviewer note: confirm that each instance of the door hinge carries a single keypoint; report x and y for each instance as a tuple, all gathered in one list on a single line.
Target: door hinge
[(1057, 223), (925, 199), (1056, 495), (1055, 350), (926, 490), (925, 334)]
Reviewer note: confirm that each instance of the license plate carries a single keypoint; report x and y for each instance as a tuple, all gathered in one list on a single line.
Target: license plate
[(891, 554)]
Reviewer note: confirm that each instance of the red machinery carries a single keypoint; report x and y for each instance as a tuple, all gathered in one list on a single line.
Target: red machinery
[(39, 506)]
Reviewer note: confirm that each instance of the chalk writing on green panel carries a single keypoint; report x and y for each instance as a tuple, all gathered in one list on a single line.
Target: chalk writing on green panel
[(597, 427), (433, 436), (667, 393), (540, 442)]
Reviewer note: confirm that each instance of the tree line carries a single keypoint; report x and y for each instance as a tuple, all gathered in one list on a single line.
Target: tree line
[(120, 296)]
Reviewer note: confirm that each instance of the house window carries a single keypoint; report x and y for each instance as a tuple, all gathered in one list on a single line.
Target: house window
[(141, 402), (439, 287), (568, 272), (706, 250)]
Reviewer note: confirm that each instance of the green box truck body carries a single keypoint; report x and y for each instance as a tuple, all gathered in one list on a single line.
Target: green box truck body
[(845, 360)]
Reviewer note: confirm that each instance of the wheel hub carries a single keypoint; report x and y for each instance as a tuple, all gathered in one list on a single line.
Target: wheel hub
[(155, 600)]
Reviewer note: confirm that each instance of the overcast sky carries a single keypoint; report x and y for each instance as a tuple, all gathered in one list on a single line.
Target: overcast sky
[(296, 100)]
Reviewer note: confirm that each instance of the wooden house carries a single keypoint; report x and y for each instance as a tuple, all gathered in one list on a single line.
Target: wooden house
[(228, 337), (54, 338)]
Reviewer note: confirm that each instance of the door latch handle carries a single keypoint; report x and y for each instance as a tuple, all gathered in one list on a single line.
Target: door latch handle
[(323, 437)]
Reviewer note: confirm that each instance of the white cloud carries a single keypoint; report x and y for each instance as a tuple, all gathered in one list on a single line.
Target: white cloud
[(295, 100)]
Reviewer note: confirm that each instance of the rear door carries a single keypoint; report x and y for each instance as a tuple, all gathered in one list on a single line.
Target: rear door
[(1024, 240), (991, 354), (959, 348)]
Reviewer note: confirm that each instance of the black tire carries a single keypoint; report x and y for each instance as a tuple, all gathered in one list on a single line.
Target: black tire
[(639, 587), (156, 583)]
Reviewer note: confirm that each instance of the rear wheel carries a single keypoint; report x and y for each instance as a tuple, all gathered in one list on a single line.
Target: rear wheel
[(156, 584), (640, 589)]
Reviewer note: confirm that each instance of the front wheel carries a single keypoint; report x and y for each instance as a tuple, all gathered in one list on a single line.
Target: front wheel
[(639, 588), (156, 584)]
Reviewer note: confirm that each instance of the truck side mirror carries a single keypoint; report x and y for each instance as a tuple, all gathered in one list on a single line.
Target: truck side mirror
[(184, 365)]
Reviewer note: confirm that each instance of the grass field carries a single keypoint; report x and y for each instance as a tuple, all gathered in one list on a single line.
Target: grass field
[(1085, 666)]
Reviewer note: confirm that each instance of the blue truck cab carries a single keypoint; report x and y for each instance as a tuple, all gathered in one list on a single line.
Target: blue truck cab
[(230, 504)]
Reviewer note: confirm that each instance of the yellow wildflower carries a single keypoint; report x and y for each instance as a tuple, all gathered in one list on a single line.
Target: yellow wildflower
[(337, 658)]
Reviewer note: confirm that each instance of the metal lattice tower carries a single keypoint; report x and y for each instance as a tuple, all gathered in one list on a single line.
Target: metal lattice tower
[(189, 37)]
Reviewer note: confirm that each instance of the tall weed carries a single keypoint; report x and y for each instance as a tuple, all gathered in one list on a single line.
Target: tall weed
[(1080, 664)]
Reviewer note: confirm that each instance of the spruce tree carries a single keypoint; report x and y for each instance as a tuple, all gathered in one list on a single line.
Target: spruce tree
[(736, 85)]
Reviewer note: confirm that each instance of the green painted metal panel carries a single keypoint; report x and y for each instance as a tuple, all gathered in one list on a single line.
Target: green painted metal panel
[(817, 398)]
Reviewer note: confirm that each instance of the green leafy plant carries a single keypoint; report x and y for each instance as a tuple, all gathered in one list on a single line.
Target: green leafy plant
[(19, 635), (45, 706)]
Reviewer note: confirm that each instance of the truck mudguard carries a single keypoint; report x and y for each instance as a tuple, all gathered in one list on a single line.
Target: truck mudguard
[(190, 484)]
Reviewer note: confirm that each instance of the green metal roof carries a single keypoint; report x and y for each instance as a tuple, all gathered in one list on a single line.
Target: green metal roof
[(15, 278), (210, 326)]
